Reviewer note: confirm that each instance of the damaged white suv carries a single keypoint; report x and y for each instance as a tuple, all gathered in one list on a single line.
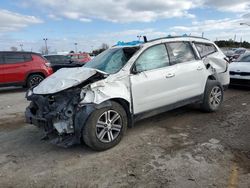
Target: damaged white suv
[(128, 82)]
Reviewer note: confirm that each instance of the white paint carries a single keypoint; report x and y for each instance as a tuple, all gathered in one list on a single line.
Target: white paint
[(240, 67), (150, 89), (64, 79)]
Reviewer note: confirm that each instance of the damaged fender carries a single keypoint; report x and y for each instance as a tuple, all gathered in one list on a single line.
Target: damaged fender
[(104, 90), (219, 68), (82, 115)]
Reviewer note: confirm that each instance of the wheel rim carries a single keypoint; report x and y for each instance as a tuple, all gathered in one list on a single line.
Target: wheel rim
[(215, 96), (35, 80), (108, 126)]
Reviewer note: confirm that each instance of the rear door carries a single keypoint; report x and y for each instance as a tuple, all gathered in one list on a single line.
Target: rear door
[(190, 71), (16, 65)]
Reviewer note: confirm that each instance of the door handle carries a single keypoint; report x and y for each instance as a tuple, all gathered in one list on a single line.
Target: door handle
[(170, 75), (199, 68)]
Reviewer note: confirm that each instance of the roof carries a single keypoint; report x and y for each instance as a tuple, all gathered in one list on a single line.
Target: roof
[(166, 39), (23, 52), (176, 37)]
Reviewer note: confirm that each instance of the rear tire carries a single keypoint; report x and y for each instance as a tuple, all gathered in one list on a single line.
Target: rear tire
[(213, 96), (105, 127), (33, 80)]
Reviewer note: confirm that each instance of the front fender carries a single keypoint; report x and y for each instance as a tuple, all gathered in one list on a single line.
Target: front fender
[(82, 116)]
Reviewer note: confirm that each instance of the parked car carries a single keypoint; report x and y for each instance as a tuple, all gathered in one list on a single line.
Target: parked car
[(61, 61), (80, 57), (235, 53), (128, 82), (26, 69), (240, 71)]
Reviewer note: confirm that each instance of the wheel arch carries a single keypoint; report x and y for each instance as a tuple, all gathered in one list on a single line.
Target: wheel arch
[(33, 73), (126, 105), (211, 77)]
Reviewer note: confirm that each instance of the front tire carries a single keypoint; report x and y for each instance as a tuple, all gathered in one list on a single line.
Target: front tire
[(213, 96), (105, 127)]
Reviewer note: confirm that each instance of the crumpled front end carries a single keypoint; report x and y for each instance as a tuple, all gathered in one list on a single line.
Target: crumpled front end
[(63, 114), (54, 113)]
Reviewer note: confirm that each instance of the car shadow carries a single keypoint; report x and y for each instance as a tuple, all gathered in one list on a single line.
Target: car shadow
[(7, 90), (238, 87)]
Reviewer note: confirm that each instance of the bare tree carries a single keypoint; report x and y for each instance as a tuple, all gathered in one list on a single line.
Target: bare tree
[(104, 46), (44, 51), (13, 48)]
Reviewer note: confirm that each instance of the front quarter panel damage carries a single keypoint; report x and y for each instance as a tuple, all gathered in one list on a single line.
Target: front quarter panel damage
[(104, 90)]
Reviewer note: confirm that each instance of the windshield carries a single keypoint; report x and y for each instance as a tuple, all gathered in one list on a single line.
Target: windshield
[(112, 60), (244, 58)]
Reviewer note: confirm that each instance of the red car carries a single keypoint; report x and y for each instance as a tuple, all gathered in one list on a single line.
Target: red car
[(26, 69), (80, 57)]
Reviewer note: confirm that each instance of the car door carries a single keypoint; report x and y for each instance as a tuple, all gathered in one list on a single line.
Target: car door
[(153, 82), (190, 71), (15, 67)]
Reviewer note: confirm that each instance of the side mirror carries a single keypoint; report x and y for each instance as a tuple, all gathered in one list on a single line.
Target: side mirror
[(134, 70)]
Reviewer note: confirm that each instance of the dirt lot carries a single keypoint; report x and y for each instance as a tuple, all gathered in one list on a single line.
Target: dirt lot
[(182, 148)]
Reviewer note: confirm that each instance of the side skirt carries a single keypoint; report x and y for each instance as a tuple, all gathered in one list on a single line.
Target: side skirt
[(154, 112)]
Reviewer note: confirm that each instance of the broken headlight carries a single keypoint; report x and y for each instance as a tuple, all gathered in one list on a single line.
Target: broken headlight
[(29, 93)]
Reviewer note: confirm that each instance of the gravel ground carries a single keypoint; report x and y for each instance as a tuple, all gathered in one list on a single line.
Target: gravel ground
[(181, 148)]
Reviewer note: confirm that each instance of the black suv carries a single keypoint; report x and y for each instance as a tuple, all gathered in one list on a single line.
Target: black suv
[(60, 61)]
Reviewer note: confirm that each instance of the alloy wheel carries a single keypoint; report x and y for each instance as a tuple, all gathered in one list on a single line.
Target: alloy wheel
[(215, 96), (108, 126), (35, 80)]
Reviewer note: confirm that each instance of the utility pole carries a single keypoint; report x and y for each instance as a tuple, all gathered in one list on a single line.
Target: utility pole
[(202, 34), (139, 37), (75, 47), (46, 46), (21, 45)]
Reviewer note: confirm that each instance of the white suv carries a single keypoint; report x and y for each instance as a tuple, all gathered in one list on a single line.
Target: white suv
[(128, 82)]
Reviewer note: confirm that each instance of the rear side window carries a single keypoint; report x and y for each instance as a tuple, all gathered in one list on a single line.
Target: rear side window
[(12, 58), (180, 52), (153, 58), (205, 49), (1, 59)]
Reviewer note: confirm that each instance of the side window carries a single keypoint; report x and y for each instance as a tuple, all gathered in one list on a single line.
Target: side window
[(153, 58), (27, 57), (205, 49), (11, 58), (180, 52), (1, 59)]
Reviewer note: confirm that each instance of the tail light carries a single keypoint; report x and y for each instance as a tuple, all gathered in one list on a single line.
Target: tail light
[(48, 64)]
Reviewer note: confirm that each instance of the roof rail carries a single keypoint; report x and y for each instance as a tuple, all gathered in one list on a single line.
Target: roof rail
[(182, 36)]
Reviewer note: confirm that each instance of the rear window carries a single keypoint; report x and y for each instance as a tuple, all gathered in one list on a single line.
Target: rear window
[(74, 56), (244, 58), (205, 49), (11, 58), (58, 59), (180, 52)]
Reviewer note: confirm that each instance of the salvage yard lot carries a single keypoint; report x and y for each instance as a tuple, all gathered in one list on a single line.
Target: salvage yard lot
[(181, 148)]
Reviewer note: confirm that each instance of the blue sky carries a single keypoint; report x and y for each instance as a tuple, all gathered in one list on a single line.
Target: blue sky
[(93, 22)]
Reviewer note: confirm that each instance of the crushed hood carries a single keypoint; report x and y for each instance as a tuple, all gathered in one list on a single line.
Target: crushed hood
[(63, 79)]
